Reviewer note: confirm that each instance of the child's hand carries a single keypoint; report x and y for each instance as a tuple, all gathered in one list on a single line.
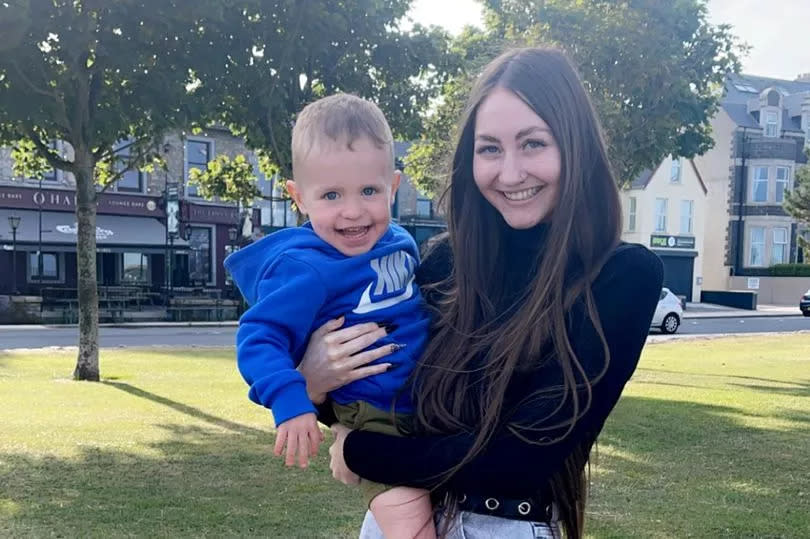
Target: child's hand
[(301, 435)]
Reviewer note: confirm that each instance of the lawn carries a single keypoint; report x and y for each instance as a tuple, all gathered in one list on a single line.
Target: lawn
[(710, 439)]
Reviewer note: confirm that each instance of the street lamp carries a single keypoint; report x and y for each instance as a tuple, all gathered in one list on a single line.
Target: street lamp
[(14, 222)]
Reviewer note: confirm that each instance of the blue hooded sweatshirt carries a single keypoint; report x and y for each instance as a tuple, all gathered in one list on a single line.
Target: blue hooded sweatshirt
[(294, 282)]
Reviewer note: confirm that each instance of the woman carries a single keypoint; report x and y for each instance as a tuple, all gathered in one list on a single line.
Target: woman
[(541, 315)]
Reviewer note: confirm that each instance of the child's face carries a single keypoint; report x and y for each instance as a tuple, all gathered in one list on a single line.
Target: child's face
[(347, 194)]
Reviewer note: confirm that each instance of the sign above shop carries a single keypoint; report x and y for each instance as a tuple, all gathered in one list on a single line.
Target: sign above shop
[(63, 200), (672, 242)]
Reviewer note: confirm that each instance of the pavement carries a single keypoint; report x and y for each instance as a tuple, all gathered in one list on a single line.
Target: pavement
[(710, 310), (693, 311)]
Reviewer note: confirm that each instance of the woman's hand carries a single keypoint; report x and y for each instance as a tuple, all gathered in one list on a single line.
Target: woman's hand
[(337, 464), (332, 359)]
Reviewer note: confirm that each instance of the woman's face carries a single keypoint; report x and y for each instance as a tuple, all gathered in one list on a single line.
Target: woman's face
[(516, 160)]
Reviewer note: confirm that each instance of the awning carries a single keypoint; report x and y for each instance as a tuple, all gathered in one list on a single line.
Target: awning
[(113, 232)]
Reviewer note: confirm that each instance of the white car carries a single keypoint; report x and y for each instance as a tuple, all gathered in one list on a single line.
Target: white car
[(668, 313)]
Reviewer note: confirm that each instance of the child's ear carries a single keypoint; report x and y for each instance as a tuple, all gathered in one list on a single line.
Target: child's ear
[(395, 185), (295, 194)]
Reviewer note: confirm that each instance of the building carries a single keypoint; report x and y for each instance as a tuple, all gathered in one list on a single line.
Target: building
[(665, 209), (417, 213), (140, 247), (760, 132), (135, 247)]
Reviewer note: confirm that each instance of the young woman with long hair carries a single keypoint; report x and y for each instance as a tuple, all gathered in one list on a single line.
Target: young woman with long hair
[(541, 313)]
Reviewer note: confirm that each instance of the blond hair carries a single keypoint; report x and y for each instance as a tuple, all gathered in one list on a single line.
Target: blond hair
[(339, 119)]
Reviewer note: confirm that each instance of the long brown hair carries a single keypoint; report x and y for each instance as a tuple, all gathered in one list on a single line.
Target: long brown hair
[(475, 350)]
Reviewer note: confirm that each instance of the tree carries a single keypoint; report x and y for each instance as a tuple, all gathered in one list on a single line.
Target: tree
[(268, 60), (797, 201), (106, 78), (228, 180), (654, 69)]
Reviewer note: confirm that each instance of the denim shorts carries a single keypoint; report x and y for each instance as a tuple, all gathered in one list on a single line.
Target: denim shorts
[(475, 526)]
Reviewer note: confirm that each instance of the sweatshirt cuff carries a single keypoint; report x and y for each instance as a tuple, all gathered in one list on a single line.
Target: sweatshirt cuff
[(291, 402)]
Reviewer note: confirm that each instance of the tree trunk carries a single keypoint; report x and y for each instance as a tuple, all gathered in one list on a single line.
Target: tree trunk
[(87, 362)]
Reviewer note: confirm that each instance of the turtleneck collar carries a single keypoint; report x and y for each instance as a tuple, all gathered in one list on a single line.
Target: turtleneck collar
[(527, 239)]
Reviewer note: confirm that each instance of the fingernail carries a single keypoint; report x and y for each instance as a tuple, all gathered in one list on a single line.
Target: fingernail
[(397, 346), (392, 366), (389, 327)]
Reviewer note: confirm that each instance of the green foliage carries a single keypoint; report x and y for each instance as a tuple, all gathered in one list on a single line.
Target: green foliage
[(264, 64), (653, 69), (27, 163), (230, 180), (92, 74), (790, 270)]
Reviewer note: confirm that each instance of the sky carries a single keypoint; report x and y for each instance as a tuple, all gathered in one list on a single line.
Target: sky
[(780, 47)]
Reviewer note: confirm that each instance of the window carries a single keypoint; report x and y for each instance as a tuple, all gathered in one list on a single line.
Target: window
[(760, 185), (52, 175), (782, 178), (780, 246), (133, 180), (675, 171), (661, 214), (199, 260), (745, 88), (50, 266), (631, 218), (687, 214), (771, 124), (423, 207), (134, 268), (757, 252), (198, 153)]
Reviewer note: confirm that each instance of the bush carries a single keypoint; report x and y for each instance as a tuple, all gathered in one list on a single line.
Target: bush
[(790, 270)]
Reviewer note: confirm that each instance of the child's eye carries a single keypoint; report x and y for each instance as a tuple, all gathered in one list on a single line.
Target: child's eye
[(369, 191), (534, 144), (488, 149), (331, 195)]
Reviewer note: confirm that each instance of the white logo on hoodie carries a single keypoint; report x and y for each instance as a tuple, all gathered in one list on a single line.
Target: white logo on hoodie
[(394, 273)]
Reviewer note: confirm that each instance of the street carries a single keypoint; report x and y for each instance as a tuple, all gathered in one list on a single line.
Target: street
[(203, 336)]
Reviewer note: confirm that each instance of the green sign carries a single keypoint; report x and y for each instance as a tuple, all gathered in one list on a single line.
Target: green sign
[(672, 242)]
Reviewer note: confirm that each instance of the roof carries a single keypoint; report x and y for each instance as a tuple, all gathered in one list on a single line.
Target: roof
[(754, 85), (643, 179), (740, 89)]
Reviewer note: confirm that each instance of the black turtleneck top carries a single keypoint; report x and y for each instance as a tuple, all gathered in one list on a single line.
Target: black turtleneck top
[(626, 292)]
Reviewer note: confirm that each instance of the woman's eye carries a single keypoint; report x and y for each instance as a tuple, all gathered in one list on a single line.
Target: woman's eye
[(534, 144), (369, 191), (331, 195), (489, 149)]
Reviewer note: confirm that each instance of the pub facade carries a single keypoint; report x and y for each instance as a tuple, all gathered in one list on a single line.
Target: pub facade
[(139, 243)]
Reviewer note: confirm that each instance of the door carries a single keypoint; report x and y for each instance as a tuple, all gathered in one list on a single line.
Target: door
[(678, 274)]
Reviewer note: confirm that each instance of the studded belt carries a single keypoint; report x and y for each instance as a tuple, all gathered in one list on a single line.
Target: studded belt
[(512, 508)]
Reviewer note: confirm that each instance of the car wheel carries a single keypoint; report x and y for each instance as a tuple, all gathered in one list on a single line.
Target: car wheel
[(671, 323)]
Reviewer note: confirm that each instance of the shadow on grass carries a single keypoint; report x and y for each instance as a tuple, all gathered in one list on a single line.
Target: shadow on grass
[(715, 375), (184, 408), (197, 483), (682, 469)]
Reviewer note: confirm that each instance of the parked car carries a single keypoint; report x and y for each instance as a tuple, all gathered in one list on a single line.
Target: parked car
[(668, 313), (804, 303)]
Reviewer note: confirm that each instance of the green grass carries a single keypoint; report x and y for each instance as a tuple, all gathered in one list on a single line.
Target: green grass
[(711, 439)]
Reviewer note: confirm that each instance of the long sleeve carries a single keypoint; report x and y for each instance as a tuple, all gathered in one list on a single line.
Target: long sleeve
[(626, 293), (273, 331)]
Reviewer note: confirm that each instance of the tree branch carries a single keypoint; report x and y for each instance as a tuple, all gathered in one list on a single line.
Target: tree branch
[(131, 163), (50, 156)]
